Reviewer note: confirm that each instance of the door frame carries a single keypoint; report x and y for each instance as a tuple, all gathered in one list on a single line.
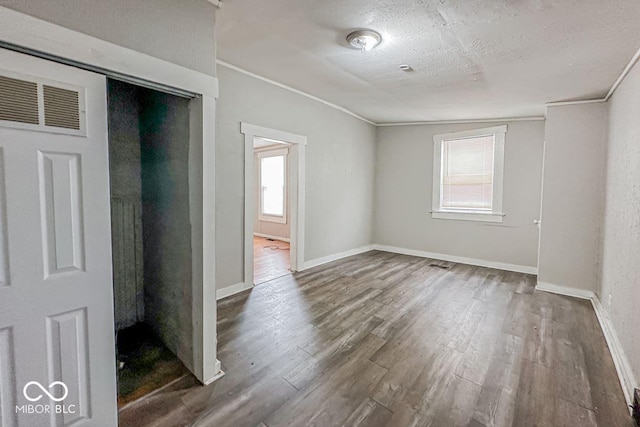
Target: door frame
[(36, 37), (297, 156)]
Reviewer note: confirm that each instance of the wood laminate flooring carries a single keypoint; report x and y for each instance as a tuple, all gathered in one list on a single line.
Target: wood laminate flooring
[(380, 339), (270, 259)]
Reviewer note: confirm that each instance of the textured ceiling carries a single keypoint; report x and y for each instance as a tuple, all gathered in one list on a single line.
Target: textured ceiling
[(472, 59)]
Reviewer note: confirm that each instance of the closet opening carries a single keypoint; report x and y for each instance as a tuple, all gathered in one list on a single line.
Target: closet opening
[(151, 237)]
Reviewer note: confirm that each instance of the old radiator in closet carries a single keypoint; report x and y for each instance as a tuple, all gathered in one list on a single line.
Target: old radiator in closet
[(126, 231)]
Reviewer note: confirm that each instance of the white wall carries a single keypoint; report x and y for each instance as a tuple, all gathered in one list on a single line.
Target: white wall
[(403, 196), (340, 158), (182, 32), (620, 282), (573, 195), (270, 228)]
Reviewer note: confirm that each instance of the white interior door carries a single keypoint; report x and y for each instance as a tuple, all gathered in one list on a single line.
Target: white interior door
[(57, 354)]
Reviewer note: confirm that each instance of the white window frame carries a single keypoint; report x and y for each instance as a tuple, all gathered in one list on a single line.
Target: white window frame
[(274, 153), (495, 214)]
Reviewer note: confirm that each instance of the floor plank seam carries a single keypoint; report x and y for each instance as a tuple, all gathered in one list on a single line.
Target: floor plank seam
[(384, 406), (287, 381)]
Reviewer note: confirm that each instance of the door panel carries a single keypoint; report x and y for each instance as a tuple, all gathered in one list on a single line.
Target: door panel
[(7, 388), (56, 296), (61, 212), (68, 358)]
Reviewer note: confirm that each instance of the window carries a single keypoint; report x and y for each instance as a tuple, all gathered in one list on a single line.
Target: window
[(272, 185), (467, 175)]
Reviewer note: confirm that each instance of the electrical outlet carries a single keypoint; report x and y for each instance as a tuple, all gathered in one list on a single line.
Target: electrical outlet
[(636, 406)]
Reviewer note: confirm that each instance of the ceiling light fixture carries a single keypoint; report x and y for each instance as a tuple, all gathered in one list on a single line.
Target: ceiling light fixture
[(364, 40)]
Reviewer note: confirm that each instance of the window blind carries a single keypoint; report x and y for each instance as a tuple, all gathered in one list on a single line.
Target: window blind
[(467, 173)]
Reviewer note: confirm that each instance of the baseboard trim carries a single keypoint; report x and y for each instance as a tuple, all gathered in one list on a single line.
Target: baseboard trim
[(216, 377), (319, 261), (270, 236), (565, 290), (462, 260), (231, 290), (620, 360)]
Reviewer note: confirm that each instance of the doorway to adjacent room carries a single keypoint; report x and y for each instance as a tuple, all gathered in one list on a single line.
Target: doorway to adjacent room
[(272, 226), (274, 203)]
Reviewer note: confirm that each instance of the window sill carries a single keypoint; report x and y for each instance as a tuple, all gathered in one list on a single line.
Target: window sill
[(269, 218), (468, 216)]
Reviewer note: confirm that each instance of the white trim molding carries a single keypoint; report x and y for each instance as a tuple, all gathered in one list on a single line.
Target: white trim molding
[(627, 69), (579, 102), (272, 237), (465, 121), (56, 42), (330, 258), (613, 88), (219, 375), (290, 89), (493, 215), (359, 117), (564, 290), (469, 216), (24, 33), (569, 103), (620, 360), (297, 156), (458, 259), (634, 59), (471, 133), (275, 135)]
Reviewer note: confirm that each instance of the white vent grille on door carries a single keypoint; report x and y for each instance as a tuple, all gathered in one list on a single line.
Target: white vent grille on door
[(18, 101), (61, 108), (36, 104)]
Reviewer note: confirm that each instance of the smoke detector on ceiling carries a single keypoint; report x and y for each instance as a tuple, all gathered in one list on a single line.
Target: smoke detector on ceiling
[(405, 67), (364, 40)]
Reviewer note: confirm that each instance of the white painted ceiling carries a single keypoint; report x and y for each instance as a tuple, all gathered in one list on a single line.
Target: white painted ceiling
[(472, 59)]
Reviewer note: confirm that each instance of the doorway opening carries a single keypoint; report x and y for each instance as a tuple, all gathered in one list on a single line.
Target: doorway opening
[(151, 237), (270, 149), (272, 227)]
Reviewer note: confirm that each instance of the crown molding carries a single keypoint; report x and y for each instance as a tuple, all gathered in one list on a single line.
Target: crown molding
[(351, 113), (616, 84), (624, 73), (289, 88), (627, 69), (579, 102), (448, 122)]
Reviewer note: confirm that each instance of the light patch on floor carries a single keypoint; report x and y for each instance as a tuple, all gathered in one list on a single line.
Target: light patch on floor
[(270, 259)]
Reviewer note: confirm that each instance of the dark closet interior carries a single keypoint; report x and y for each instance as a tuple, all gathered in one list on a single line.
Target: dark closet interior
[(151, 237)]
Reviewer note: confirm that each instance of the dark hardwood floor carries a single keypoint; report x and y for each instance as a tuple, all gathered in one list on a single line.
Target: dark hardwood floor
[(380, 339)]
